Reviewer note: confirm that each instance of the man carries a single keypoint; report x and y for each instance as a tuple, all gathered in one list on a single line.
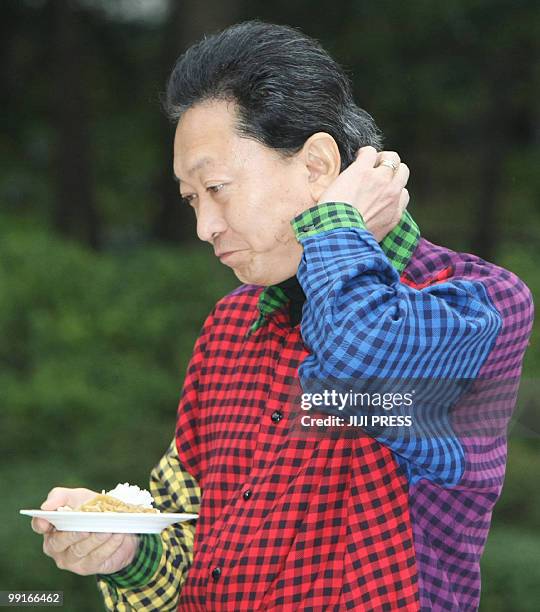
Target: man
[(282, 171)]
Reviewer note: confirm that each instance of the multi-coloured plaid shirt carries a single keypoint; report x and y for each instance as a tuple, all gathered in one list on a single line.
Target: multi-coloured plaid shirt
[(296, 521)]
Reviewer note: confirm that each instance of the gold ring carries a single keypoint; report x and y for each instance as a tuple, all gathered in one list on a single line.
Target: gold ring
[(390, 164)]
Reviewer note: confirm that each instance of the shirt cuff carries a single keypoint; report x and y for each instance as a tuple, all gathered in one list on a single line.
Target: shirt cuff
[(325, 217), (143, 567)]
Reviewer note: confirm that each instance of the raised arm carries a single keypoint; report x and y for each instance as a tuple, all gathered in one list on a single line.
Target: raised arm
[(362, 324)]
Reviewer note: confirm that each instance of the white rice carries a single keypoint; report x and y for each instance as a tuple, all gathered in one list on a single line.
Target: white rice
[(131, 494)]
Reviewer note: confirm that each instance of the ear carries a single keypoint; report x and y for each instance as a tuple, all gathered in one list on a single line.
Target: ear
[(321, 157)]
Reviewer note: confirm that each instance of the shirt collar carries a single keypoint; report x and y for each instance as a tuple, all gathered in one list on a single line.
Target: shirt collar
[(398, 245)]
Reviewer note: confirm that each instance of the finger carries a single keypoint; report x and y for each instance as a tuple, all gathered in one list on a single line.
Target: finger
[(100, 554), (388, 156), (404, 199), (41, 525), (401, 176), (366, 157), (61, 540), (61, 496), (98, 559), (83, 548), (56, 497)]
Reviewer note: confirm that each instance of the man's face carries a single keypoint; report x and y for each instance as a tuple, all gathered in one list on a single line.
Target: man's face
[(243, 193)]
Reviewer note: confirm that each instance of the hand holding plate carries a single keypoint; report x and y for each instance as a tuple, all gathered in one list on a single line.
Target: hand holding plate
[(81, 552)]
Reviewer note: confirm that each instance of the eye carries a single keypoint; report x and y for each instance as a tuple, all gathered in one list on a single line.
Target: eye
[(216, 188), (188, 199)]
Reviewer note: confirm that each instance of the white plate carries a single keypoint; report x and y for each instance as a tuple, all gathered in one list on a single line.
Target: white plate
[(110, 522)]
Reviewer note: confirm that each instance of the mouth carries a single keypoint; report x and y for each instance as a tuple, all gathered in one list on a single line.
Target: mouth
[(224, 256)]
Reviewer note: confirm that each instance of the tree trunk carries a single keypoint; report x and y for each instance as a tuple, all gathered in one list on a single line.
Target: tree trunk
[(75, 215), (494, 140), (188, 21), (492, 157)]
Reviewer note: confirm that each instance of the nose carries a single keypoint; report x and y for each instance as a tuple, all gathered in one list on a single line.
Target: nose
[(210, 220)]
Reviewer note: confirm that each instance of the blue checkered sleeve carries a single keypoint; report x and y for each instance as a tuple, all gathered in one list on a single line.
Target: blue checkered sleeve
[(361, 323)]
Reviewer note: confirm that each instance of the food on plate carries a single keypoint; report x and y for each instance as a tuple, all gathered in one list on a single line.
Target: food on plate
[(123, 498)]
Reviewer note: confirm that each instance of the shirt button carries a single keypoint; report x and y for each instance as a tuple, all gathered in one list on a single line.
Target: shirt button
[(277, 415), (247, 494), (216, 573)]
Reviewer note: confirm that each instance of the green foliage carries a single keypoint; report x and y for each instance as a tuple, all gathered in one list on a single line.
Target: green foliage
[(95, 338), (93, 353), (520, 256), (519, 504), (510, 572)]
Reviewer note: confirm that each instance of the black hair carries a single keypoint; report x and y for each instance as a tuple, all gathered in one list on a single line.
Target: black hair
[(286, 87)]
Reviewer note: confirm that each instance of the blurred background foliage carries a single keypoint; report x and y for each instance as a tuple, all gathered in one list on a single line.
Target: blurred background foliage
[(104, 288)]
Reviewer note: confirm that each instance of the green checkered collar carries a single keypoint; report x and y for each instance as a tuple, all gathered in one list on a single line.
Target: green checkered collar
[(398, 245)]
